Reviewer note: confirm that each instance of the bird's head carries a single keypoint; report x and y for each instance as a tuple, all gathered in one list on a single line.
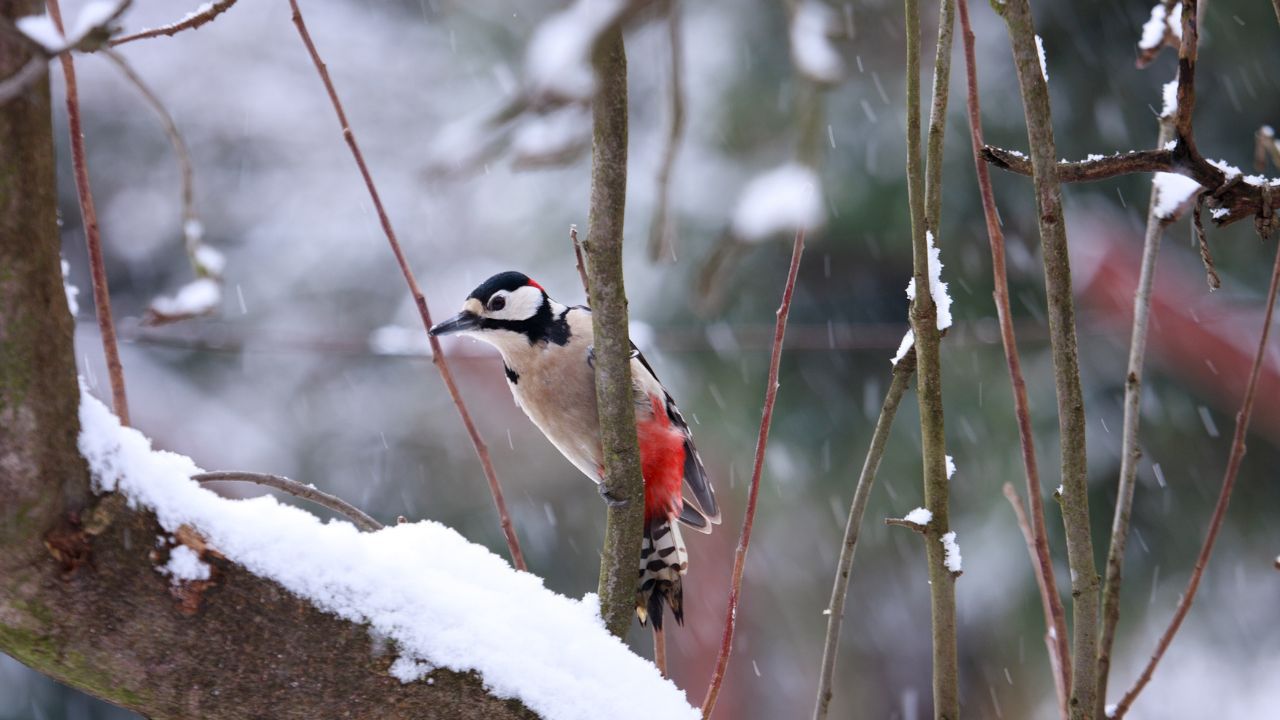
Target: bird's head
[(506, 308)]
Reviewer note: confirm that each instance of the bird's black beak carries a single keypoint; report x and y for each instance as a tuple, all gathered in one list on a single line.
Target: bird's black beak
[(463, 321)]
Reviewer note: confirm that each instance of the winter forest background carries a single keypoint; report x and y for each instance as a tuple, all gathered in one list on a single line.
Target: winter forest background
[(314, 365)]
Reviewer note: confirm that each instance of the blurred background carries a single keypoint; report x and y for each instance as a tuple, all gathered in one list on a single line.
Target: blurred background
[(313, 365)]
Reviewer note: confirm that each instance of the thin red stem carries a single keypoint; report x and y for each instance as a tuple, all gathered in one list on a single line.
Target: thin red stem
[(1219, 510), (437, 356), (762, 441), (660, 650), (189, 23), (1055, 614), (93, 238)]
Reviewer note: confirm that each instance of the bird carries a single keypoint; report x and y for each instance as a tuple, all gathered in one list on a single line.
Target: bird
[(548, 358)]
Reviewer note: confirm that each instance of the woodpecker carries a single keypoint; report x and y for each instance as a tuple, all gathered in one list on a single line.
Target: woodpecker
[(547, 355)]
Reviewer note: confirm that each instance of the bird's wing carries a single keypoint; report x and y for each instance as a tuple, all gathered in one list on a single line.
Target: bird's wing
[(695, 475)]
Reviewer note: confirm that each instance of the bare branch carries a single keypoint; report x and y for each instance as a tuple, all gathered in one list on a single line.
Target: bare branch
[(660, 650), (189, 217), (1137, 161), (904, 523), (92, 236), (902, 372), (190, 22), (1130, 452), (1220, 509), (513, 543), (297, 489), (578, 260), (22, 80), (1055, 615), (1059, 657), (757, 469), (1066, 361), (662, 232)]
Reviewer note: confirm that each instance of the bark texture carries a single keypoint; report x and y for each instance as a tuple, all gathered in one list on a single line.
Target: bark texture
[(80, 598), (615, 399)]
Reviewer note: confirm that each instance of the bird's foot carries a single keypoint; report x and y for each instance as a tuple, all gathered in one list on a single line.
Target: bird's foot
[(610, 499), (591, 356)]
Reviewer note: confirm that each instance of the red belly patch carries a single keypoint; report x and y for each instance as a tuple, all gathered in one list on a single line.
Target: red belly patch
[(662, 462)]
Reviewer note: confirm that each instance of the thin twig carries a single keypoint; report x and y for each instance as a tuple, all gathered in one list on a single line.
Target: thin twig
[(1066, 361), (92, 236), (513, 543), (662, 232), (1055, 615), (1206, 257), (579, 261), (1220, 509), (1136, 161), (902, 372), (1053, 636), (180, 151), (190, 22), (938, 116), (17, 83), (753, 494), (1130, 452), (660, 650), (297, 489)]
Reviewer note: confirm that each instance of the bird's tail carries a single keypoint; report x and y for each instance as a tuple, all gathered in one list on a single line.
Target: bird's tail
[(663, 562)]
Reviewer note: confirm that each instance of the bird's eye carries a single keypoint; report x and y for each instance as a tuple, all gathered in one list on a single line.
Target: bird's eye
[(497, 303)]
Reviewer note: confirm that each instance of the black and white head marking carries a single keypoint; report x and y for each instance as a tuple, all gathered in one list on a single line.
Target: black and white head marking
[(510, 301)]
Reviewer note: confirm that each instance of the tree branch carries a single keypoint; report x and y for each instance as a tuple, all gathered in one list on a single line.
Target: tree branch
[(924, 325), (902, 372), (757, 469), (1066, 363), (1037, 532), (662, 232), (190, 22), (297, 489), (93, 238), (622, 479), (437, 356), (1220, 509), (1130, 452)]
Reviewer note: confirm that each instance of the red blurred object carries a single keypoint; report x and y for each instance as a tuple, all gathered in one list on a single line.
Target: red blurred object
[(1206, 340)]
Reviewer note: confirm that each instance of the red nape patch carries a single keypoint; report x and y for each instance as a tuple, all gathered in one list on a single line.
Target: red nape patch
[(661, 462), (534, 284)]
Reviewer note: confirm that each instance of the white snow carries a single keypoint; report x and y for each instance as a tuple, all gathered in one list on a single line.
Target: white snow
[(93, 16), (553, 135), (1044, 68), (952, 558), (1219, 213), (72, 290), (185, 564), (1175, 21), (1171, 145), (937, 289), (558, 61), (951, 467), (907, 341), (1169, 94), (919, 516), (213, 261), (444, 601), (786, 198), (1172, 192), (397, 340), (1226, 167), (41, 29), (197, 297), (811, 47), (1153, 30)]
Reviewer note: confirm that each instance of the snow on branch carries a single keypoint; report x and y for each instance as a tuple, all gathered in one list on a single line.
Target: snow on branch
[(444, 601), (558, 61), (92, 27), (812, 25), (937, 290)]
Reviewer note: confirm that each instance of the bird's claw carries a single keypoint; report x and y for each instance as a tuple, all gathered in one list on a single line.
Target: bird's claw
[(610, 499), (591, 356)]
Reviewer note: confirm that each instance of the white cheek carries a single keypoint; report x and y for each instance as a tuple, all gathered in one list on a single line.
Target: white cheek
[(521, 304)]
